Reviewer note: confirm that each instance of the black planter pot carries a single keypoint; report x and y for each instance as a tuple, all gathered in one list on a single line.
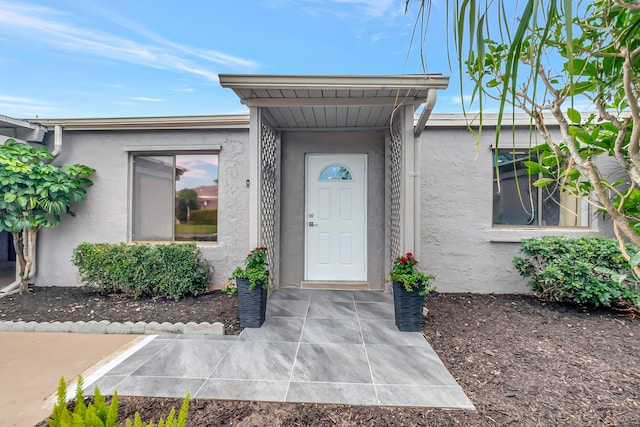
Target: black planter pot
[(252, 304), (408, 308)]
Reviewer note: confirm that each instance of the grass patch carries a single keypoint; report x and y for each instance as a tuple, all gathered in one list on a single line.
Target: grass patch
[(196, 229)]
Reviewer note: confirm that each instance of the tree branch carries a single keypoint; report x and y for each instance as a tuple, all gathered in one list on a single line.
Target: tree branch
[(632, 100)]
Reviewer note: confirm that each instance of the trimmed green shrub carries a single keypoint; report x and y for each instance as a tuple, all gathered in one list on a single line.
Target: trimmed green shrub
[(589, 271), (172, 270), (204, 217), (99, 414)]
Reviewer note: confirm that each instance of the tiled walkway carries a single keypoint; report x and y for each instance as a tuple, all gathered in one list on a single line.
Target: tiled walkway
[(315, 346)]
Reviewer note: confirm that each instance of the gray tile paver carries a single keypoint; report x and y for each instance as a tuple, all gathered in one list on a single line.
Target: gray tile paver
[(185, 359), (139, 358), (407, 365), (275, 329), (331, 295), (315, 346), (350, 394), (106, 385), (373, 296), (375, 310), (383, 331), (332, 310), (159, 386), (417, 395), (331, 363), (264, 390), (287, 308), (251, 360), (331, 331)]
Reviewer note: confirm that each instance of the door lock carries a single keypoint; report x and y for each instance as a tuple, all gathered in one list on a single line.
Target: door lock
[(312, 224)]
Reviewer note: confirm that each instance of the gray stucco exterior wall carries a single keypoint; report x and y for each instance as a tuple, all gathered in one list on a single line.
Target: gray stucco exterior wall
[(104, 216), (292, 205), (458, 242)]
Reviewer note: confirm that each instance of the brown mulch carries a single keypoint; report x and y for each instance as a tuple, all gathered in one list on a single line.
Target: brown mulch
[(57, 303), (522, 362)]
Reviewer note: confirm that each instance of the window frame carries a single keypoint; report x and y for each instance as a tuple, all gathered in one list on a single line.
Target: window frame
[(585, 208), (135, 151)]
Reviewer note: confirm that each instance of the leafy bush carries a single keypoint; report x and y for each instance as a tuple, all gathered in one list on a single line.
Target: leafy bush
[(204, 217), (99, 414), (173, 270), (588, 270)]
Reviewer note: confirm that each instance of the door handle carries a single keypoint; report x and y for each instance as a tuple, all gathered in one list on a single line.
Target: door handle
[(313, 224)]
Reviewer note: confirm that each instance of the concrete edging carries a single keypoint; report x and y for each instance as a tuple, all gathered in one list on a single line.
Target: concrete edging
[(107, 327)]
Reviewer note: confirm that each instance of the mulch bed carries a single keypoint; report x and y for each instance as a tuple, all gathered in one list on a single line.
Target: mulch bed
[(57, 303), (522, 362)]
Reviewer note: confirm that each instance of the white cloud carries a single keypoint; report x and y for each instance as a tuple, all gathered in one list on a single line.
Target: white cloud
[(44, 25), (145, 99), (457, 100), (372, 8), (361, 10), (20, 100), (192, 161), (206, 54), (24, 107)]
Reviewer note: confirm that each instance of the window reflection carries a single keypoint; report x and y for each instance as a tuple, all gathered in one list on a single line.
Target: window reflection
[(192, 181)]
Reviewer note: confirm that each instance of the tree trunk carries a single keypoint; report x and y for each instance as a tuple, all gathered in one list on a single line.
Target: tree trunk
[(24, 243)]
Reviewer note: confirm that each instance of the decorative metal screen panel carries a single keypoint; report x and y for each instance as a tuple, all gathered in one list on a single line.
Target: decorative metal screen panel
[(268, 191), (396, 166)]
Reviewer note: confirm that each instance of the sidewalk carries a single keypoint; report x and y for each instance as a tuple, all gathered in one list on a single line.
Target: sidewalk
[(316, 346), (32, 363)]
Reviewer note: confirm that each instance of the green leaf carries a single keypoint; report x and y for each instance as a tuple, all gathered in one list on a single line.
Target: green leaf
[(573, 174), (534, 168), (635, 260), (9, 197), (543, 182), (574, 115), (550, 160), (581, 87)]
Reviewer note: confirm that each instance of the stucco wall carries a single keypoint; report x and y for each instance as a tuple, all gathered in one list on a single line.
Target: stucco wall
[(292, 221), (104, 216), (458, 242)]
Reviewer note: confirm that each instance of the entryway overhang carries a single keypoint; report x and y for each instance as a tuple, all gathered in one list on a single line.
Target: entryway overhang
[(388, 104), (335, 102)]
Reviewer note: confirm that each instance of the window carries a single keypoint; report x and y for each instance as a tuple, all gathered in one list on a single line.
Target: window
[(336, 173), (517, 202), (175, 197)]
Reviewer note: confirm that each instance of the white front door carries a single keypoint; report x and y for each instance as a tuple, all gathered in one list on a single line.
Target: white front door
[(336, 217)]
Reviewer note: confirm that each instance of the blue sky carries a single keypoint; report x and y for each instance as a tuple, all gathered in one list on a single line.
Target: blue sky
[(120, 58)]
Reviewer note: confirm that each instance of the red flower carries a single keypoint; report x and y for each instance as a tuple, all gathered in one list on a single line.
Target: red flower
[(250, 254), (415, 261), (403, 260), (409, 254)]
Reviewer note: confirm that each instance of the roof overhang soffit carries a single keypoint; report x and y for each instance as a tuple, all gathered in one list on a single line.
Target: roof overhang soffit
[(21, 129), (283, 91)]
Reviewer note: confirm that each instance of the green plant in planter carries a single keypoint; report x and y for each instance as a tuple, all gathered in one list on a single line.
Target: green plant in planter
[(255, 269), (405, 270)]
